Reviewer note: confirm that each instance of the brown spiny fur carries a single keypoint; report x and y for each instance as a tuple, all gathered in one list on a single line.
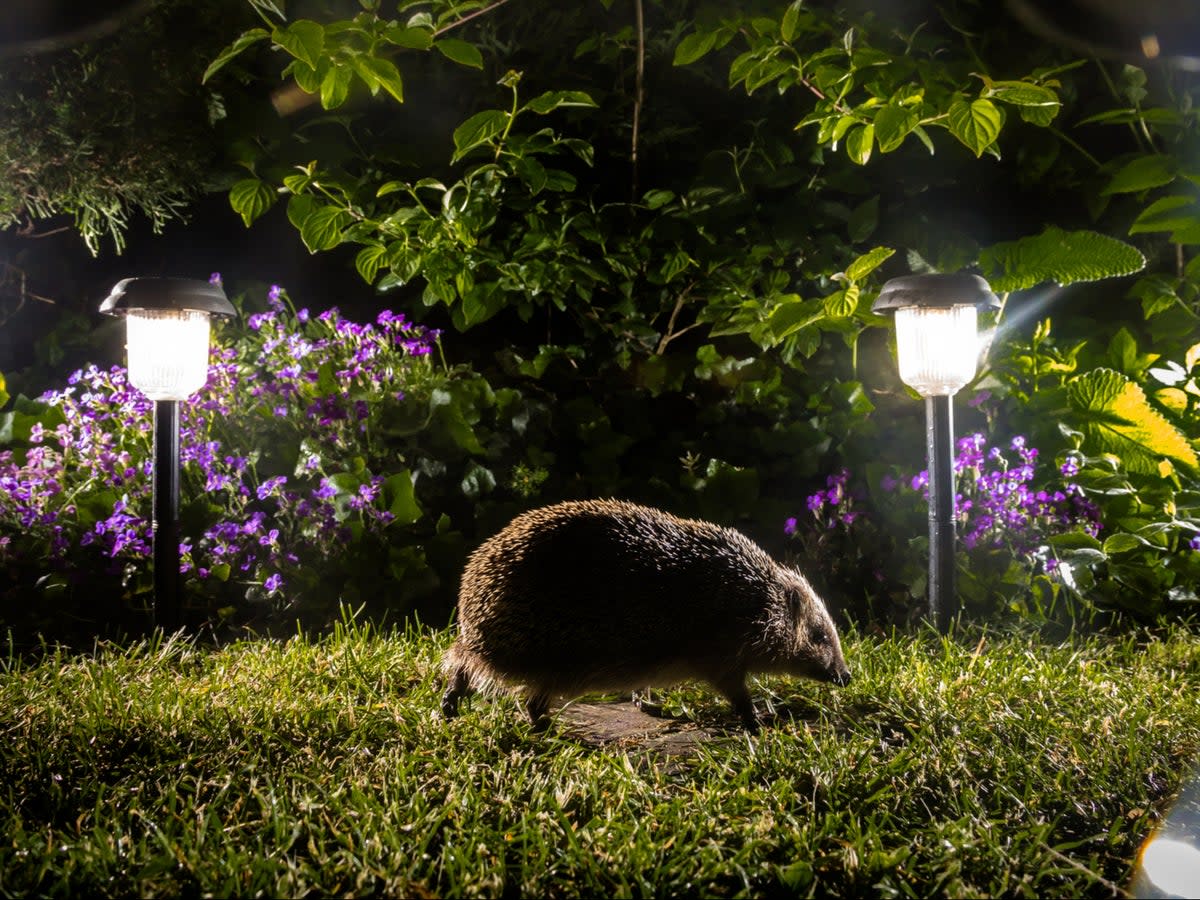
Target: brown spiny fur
[(605, 595)]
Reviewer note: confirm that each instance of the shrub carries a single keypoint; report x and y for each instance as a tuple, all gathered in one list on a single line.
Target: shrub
[(307, 463)]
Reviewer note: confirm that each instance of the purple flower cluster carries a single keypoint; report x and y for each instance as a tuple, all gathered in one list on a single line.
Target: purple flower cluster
[(998, 506), (996, 502), (83, 479), (837, 505)]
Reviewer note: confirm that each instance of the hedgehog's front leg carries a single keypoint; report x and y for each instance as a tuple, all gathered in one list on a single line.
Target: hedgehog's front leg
[(733, 686)]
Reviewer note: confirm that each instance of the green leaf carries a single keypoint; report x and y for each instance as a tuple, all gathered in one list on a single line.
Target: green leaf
[(250, 198), (478, 130), (1141, 174), (379, 73), (253, 36), (793, 314), (1118, 419), (335, 86), (977, 124), (868, 263), (411, 38), (1123, 542), (303, 39), (322, 228), (1073, 540), (460, 52), (693, 47), (858, 143), (368, 261), (893, 124), (864, 219), (843, 303), (552, 100), (477, 481), (399, 498), (791, 18), (3, 391), (1176, 213), (1024, 93), (1065, 257), (658, 198)]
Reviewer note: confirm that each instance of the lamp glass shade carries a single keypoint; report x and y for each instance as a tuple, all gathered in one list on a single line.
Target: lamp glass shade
[(168, 352), (937, 347)]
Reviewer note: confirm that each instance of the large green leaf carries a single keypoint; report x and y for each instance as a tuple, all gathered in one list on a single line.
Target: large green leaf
[(399, 498), (1117, 418), (977, 124), (892, 125), (322, 228), (304, 39), (858, 144), (1145, 172), (552, 100), (1061, 256), (478, 130), (868, 263), (253, 36), (250, 198), (460, 52)]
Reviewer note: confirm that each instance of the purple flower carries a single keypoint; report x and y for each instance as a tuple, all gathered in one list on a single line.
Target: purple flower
[(789, 526), (214, 278), (273, 583)]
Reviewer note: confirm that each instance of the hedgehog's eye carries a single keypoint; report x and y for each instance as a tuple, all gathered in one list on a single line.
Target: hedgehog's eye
[(819, 636)]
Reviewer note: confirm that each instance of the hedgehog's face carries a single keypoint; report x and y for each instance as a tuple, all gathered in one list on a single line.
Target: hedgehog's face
[(816, 649)]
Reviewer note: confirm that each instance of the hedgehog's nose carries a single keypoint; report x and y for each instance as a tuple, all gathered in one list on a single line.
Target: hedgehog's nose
[(841, 678)]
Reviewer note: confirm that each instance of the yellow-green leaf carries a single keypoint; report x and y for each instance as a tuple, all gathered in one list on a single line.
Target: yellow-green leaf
[(1118, 419)]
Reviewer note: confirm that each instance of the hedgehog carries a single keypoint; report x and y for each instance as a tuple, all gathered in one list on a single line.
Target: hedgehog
[(607, 595)]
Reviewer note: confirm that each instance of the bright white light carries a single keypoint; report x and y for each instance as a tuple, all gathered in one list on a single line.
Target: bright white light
[(937, 347), (168, 352), (1173, 866)]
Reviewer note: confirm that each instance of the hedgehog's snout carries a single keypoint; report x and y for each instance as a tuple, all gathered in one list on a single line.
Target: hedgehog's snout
[(840, 677)]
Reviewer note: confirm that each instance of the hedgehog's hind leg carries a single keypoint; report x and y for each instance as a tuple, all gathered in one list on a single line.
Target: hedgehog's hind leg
[(458, 685)]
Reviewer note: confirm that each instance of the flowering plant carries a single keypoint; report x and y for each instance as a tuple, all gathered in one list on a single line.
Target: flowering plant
[(300, 463), (1006, 523)]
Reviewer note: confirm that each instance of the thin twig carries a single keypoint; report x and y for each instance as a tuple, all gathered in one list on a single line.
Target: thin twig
[(465, 19), (638, 95), (670, 334)]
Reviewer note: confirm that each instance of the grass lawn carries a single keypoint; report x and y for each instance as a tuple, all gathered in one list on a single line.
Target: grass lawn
[(985, 765)]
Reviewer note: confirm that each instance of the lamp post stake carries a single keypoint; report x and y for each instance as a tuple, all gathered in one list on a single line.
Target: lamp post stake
[(937, 349), (167, 612), (167, 337), (939, 438)]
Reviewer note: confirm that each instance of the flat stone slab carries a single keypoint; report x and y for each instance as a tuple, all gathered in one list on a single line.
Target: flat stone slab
[(623, 725)]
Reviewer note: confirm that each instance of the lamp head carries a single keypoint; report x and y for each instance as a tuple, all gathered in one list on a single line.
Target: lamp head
[(937, 340), (167, 331)]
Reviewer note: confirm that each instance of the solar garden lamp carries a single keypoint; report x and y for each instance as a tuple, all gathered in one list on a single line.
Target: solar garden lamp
[(167, 337), (937, 348)]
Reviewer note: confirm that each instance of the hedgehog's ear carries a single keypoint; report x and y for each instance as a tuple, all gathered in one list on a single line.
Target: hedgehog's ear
[(795, 602)]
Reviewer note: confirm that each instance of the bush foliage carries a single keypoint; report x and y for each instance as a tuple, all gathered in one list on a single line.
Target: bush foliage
[(653, 242)]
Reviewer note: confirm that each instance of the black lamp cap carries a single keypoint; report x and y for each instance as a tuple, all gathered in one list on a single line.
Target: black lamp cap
[(167, 293), (958, 289)]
